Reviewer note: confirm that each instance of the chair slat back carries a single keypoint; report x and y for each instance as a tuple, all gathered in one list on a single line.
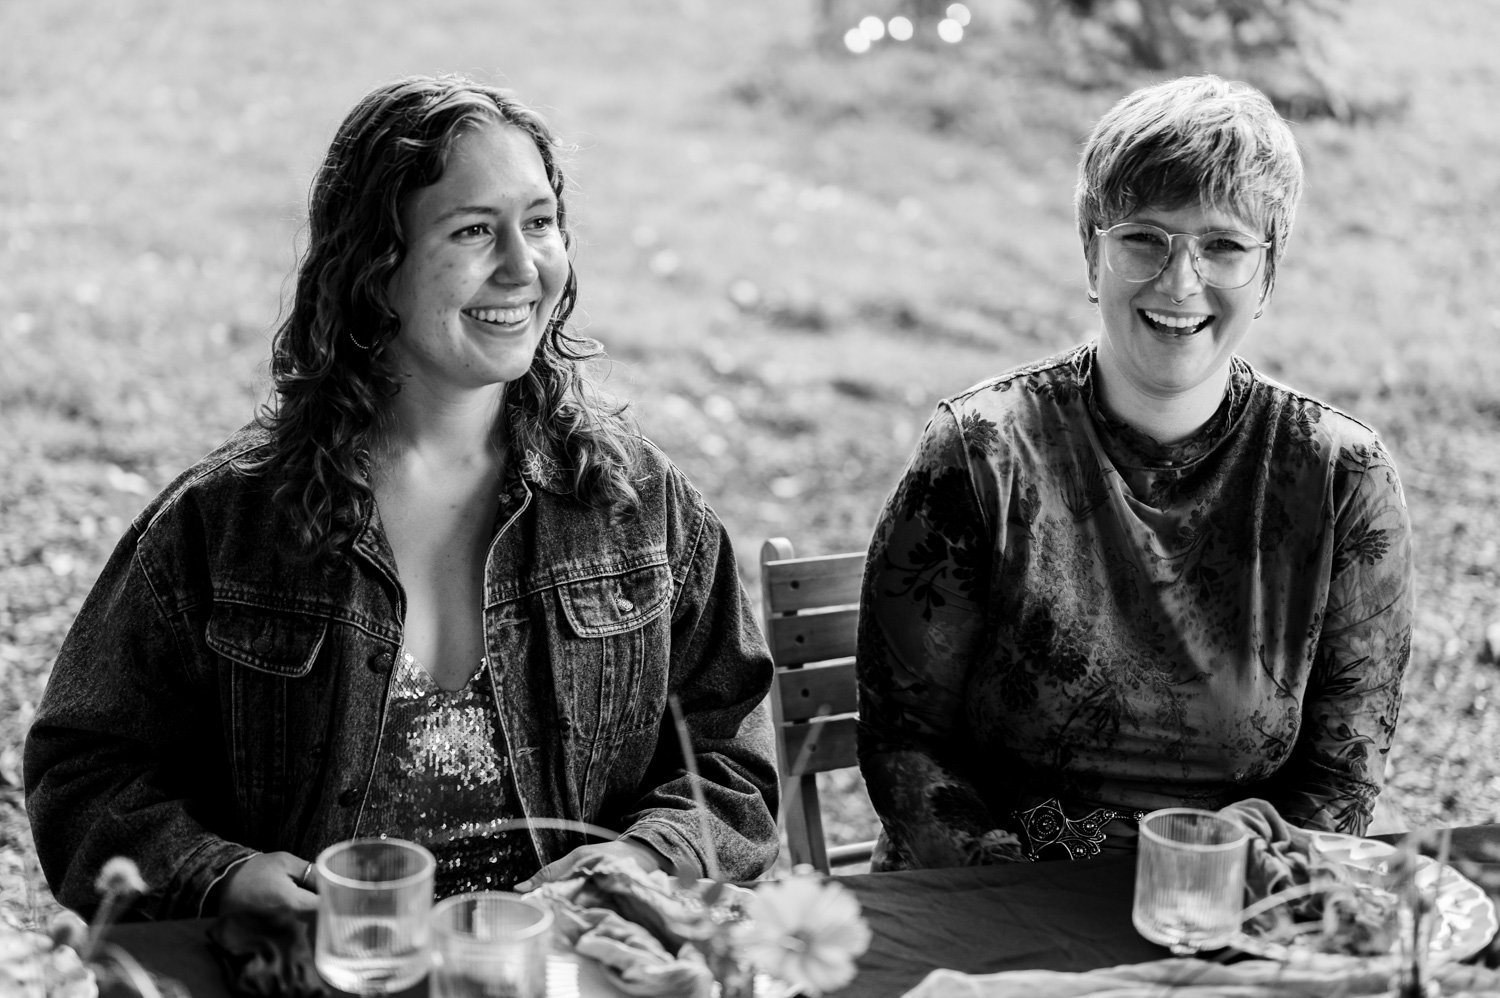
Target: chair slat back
[(812, 637), (798, 584), (825, 745), (811, 608), (827, 688)]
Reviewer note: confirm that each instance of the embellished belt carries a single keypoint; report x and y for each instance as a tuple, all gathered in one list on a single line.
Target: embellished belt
[(1047, 824)]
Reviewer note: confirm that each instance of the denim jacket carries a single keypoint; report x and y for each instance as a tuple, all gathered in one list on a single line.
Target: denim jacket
[(216, 696)]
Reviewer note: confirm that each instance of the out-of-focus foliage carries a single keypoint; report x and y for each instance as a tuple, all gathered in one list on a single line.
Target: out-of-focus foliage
[(1286, 47), (1291, 49)]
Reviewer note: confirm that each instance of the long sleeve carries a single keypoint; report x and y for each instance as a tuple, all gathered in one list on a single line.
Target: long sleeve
[(922, 628), (1354, 693), (721, 672), (120, 757)]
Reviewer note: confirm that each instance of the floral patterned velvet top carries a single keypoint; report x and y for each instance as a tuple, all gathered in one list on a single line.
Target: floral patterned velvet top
[(1056, 606)]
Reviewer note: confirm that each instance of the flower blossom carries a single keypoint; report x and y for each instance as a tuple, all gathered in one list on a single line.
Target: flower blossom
[(120, 876), (66, 928), (806, 933)]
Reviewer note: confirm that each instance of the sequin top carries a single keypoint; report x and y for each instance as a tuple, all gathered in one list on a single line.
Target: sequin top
[(442, 778)]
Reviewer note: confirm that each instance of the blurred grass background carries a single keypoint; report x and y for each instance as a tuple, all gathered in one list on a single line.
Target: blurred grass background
[(789, 254)]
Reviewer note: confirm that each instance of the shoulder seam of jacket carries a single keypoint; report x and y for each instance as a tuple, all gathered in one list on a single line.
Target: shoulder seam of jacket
[(168, 501)]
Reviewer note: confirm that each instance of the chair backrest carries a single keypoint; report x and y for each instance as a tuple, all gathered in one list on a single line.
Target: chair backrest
[(811, 608)]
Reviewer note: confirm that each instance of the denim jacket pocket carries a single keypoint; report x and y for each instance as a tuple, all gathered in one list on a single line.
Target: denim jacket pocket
[(611, 604), (273, 709), (613, 636), (266, 640)]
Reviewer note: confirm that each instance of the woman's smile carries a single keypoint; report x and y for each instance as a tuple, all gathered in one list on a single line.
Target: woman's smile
[(1176, 325), (505, 316)]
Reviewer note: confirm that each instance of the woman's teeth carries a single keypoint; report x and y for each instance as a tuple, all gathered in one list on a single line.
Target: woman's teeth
[(500, 316), (1177, 323)]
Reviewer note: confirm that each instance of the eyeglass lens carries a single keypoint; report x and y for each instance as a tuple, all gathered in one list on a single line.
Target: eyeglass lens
[(1223, 258)]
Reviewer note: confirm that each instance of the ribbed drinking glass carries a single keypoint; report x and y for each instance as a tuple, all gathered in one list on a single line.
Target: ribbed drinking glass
[(1190, 879), (488, 944), (374, 897)]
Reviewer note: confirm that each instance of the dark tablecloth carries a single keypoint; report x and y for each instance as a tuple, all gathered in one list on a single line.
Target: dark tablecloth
[(1057, 916)]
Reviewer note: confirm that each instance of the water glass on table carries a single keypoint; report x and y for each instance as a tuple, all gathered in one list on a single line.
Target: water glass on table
[(489, 944), (1190, 879), (374, 899)]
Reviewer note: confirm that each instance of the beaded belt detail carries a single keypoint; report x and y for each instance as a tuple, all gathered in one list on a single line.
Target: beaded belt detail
[(1047, 824)]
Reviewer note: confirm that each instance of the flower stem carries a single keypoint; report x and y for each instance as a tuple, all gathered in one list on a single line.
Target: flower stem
[(135, 975)]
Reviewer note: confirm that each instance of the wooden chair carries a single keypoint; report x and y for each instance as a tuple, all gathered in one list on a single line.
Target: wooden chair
[(811, 608)]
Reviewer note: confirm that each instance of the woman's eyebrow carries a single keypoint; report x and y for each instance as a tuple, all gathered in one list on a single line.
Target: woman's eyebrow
[(485, 209), (468, 209)]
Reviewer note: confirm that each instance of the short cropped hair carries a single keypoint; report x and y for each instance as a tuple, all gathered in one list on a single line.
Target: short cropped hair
[(1195, 140)]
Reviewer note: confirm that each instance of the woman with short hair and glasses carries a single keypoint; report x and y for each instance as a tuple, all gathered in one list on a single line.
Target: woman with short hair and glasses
[(1139, 574)]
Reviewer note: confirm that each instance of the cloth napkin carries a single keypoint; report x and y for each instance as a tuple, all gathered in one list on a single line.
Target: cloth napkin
[(630, 923), (634, 961), (1193, 978), (1353, 919), (265, 955), (1280, 856)]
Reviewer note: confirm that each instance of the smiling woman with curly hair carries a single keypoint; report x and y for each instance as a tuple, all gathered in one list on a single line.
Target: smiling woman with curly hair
[(438, 590), (333, 363)]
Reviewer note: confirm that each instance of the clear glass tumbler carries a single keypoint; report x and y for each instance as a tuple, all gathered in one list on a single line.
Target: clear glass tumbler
[(1190, 879), (374, 898), (489, 944)]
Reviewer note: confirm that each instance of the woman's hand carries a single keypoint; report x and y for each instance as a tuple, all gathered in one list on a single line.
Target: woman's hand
[(268, 881), (637, 852)]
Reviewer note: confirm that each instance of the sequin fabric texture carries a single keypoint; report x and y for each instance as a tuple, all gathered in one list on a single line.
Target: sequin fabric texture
[(442, 779)]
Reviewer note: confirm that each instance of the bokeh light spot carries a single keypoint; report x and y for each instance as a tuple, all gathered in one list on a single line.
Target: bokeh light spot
[(960, 13), (665, 263), (873, 27), (856, 41), (900, 28), (744, 293), (950, 30)]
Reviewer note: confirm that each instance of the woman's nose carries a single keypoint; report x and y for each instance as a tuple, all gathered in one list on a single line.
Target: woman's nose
[(515, 261), (1179, 278)]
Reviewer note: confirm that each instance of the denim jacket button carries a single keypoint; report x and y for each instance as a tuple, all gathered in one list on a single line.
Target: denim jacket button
[(624, 605), (379, 663), (351, 796)]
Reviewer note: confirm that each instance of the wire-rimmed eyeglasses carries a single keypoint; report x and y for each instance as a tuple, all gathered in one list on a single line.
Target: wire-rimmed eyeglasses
[(1224, 258)]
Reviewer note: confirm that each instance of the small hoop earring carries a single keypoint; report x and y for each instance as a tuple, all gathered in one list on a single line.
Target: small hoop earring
[(1093, 298), (355, 340), (1259, 312)]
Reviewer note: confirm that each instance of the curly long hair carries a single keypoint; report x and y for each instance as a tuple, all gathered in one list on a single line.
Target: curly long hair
[(329, 366)]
